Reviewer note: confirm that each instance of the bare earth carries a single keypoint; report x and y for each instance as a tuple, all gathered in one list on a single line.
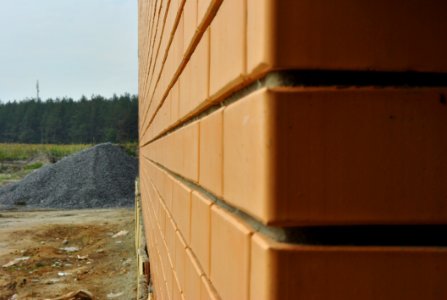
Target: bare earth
[(66, 251)]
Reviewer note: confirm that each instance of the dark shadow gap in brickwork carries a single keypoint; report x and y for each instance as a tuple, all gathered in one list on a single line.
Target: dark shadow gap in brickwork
[(352, 235), (370, 235), (359, 78), (338, 79)]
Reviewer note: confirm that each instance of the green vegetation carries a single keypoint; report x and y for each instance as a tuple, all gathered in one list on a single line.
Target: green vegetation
[(18, 160), (65, 121), (33, 166), (130, 148), (11, 152), (12, 176)]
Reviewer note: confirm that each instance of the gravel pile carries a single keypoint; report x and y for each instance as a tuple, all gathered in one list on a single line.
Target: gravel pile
[(99, 177)]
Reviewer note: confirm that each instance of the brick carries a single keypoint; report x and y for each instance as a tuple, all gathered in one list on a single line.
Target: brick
[(178, 48), (190, 26), (164, 114), (200, 229), (211, 152), (246, 171), (177, 294), (175, 103), (227, 47), (166, 190), (185, 80), (181, 208), (281, 271), (162, 218), (180, 151), (174, 159), (195, 79), (169, 279), (319, 35), (343, 156), (161, 265), (165, 289), (176, 281), (189, 147), (180, 256), (192, 278), (207, 292), (170, 240), (175, 4), (230, 255), (202, 8), (170, 67), (171, 17), (199, 64)]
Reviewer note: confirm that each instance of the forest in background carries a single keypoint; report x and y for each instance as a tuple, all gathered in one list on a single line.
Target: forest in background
[(65, 121)]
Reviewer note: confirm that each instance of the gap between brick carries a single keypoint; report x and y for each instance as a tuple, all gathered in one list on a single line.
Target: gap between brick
[(302, 78), (351, 235)]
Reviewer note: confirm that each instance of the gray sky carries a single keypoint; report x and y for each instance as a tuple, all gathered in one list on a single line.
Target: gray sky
[(73, 47)]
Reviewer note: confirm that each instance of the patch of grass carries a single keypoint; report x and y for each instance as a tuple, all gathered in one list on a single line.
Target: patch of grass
[(13, 158), (5, 177), (13, 176), (130, 148), (12, 152), (34, 166)]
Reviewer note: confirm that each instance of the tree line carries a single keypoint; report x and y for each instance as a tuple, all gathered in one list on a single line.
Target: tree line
[(65, 121)]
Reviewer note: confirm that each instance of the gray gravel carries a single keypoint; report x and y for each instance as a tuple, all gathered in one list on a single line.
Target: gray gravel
[(99, 177)]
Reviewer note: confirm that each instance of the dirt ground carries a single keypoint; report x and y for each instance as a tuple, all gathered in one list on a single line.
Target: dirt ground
[(46, 254)]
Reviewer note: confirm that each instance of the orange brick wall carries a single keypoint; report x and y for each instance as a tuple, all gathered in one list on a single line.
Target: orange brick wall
[(263, 122)]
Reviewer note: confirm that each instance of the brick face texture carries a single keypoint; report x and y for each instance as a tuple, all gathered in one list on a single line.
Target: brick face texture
[(252, 134)]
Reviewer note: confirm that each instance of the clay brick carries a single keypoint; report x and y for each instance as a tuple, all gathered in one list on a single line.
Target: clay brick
[(164, 114), (171, 17), (165, 289), (168, 267), (185, 80), (202, 8), (190, 26), (207, 292), (163, 273), (176, 281), (247, 155), (227, 47), (170, 239), (200, 229), (354, 156), (175, 103), (180, 256), (166, 190), (178, 48), (162, 218), (192, 277), (189, 147), (177, 294), (170, 67), (211, 156), (174, 159), (230, 255), (164, 80), (281, 271), (195, 79), (178, 151), (181, 208), (320, 35)]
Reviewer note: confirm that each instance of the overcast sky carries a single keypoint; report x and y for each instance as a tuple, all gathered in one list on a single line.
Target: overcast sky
[(73, 47)]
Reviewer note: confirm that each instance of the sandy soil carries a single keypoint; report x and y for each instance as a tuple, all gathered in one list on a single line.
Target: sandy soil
[(97, 262)]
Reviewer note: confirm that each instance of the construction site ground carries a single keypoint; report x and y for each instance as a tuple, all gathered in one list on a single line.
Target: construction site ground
[(46, 254)]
